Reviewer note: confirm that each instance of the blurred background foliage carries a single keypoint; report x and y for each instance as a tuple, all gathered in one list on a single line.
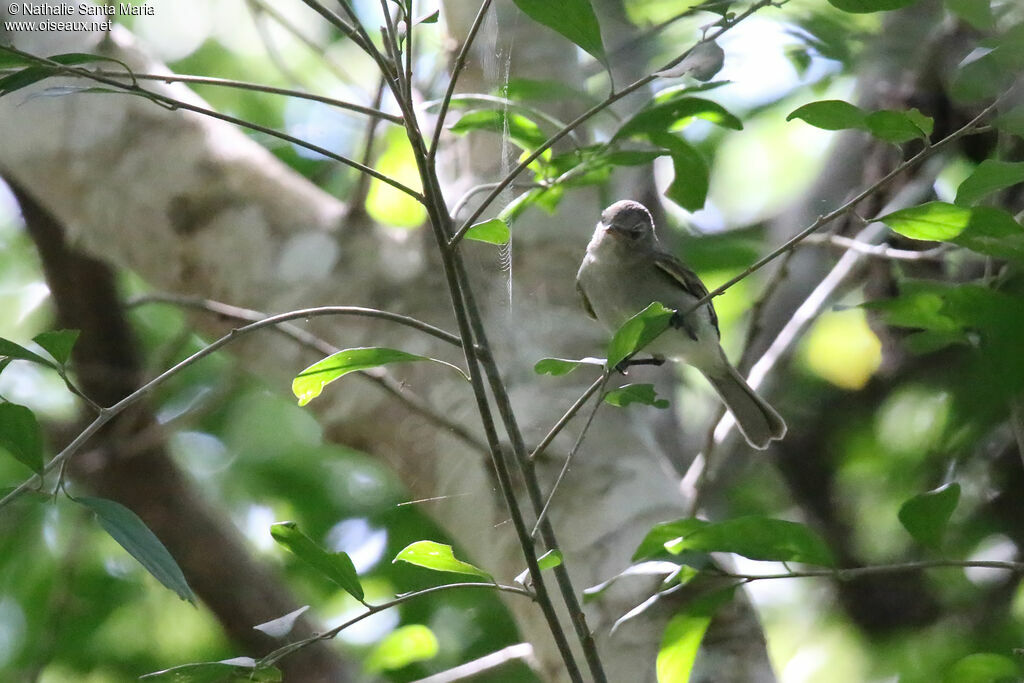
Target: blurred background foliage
[(75, 607)]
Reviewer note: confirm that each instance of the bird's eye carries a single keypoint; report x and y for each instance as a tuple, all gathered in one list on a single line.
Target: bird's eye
[(637, 230)]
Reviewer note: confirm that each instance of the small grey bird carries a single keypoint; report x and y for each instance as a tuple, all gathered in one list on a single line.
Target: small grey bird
[(625, 270)]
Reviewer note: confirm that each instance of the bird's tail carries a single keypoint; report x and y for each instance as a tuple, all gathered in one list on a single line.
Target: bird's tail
[(757, 420)]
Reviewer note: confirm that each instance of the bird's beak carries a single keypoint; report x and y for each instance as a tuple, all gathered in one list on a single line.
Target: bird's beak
[(615, 229)]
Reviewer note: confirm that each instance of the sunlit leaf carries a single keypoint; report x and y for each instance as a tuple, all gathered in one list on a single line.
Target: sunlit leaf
[(830, 115), (926, 515), (236, 670), (494, 231), (337, 567), (563, 366), (990, 176), (635, 393), (58, 343), (757, 538), (637, 332), (521, 130), (125, 527), (936, 221), (665, 116), (310, 382), (402, 647), (21, 436), (283, 625), (681, 640), (574, 19), (439, 557), (550, 559), (655, 540)]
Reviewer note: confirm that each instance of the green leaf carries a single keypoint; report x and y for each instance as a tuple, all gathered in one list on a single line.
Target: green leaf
[(984, 667), (661, 118), (926, 515), (638, 332), (428, 19), (494, 231), (402, 647), (865, 6), (936, 221), (18, 352), (574, 19), (689, 186), (550, 559), (557, 367), (521, 130), (438, 557), (830, 115), (635, 393), (895, 126), (681, 640), (37, 72), (310, 382), (337, 567), (990, 176), (21, 436), (125, 527), (654, 543), (757, 538), (977, 13), (993, 232), (237, 670), (1011, 122), (58, 343)]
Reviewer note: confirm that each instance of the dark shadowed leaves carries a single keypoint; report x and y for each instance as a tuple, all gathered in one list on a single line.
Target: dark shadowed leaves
[(125, 527), (926, 515)]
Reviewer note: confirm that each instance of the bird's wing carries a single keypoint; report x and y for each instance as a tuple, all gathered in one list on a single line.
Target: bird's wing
[(585, 301), (687, 279)]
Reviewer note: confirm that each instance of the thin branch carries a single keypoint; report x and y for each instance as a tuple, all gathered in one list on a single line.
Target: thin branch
[(483, 187), (460, 64), (107, 414), (288, 649), (362, 189), (883, 251), (472, 669), (373, 112), (305, 338), (351, 31), (315, 48), (568, 459), (390, 38), (172, 103), (789, 244), (597, 108), (569, 414)]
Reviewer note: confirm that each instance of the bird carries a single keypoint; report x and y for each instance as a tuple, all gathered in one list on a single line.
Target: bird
[(625, 269)]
